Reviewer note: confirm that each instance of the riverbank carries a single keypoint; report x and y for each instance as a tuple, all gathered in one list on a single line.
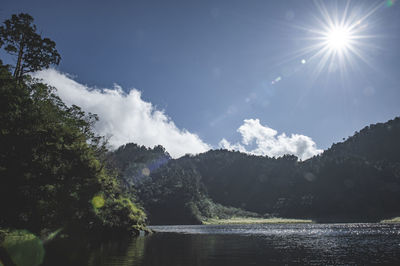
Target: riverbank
[(252, 220), (395, 220), (19, 247)]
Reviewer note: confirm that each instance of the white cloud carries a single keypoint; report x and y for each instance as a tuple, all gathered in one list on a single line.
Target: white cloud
[(232, 147), (125, 117), (267, 142)]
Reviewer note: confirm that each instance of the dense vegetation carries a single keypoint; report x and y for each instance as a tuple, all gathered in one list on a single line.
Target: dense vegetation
[(357, 180), (170, 190), (52, 164)]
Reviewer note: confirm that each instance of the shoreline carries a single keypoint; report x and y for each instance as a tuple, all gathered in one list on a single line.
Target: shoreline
[(250, 220), (394, 220)]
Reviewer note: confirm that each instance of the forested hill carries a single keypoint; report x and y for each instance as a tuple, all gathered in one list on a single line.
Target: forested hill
[(375, 142), (356, 180), (134, 162)]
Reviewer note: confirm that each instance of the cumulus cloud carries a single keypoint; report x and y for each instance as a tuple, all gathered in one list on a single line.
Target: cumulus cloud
[(125, 117), (268, 142)]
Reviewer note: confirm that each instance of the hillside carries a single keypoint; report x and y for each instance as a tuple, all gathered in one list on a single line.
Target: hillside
[(356, 180)]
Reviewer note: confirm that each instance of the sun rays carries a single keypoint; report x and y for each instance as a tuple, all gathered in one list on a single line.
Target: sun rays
[(340, 37)]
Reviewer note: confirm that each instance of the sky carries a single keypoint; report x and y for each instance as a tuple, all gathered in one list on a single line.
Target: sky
[(263, 77)]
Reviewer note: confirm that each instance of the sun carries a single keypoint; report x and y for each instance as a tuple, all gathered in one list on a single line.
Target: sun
[(338, 38)]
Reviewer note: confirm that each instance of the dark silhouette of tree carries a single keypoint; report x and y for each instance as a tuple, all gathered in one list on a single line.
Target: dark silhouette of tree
[(52, 163), (51, 173), (19, 38)]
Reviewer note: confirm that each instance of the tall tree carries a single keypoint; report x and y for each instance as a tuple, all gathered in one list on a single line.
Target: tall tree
[(19, 38), (51, 173)]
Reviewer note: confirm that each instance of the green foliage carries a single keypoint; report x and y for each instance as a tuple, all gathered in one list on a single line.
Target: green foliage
[(24, 248), (357, 180), (52, 164), (205, 209), (172, 193), (119, 213), (169, 194), (134, 163), (373, 143), (32, 52), (394, 220)]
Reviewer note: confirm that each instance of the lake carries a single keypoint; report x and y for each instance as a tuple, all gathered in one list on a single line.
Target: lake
[(265, 244)]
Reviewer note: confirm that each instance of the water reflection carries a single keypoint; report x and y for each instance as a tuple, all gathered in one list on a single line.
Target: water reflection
[(21, 248), (239, 245), (122, 253), (83, 252)]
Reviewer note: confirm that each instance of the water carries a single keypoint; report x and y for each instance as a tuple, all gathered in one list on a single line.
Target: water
[(279, 244)]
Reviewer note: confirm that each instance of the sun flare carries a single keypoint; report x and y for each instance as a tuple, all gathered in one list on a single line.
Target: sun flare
[(338, 38)]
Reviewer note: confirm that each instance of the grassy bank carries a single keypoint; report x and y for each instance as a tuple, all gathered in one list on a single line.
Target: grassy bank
[(251, 220), (19, 247), (394, 220)]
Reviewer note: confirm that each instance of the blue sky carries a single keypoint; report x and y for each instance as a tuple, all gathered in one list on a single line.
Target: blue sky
[(210, 65)]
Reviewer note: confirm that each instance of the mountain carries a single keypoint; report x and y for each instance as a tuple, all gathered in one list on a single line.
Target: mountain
[(134, 162), (375, 142), (356, 180)]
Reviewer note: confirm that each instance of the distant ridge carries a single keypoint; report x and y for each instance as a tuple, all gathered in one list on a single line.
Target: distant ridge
[(355, 180)]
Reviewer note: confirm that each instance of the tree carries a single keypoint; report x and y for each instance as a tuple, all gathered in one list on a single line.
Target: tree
[(51, 173), (33, 53)]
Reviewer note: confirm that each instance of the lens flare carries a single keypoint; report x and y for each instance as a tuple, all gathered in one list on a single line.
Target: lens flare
[(146, 171), (340, 37), (390, 3), (98, 201)]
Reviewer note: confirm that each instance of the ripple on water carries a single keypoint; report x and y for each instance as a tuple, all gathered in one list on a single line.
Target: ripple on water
[(268, 244)]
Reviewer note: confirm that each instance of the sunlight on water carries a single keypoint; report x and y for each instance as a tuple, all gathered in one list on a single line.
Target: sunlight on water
[(284, 229), (309, 244)]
